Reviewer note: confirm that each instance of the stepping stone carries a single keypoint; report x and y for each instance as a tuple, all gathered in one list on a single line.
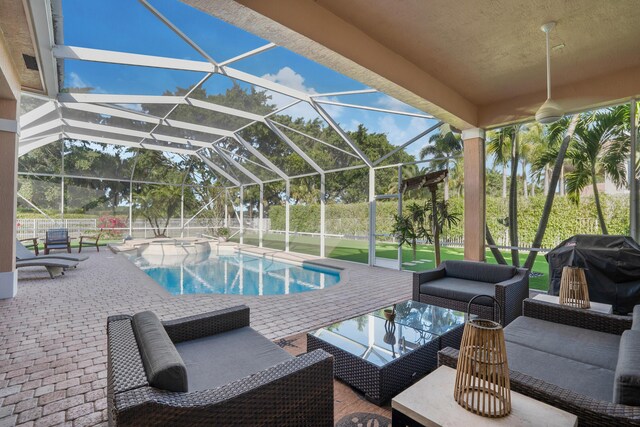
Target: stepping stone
[(408, 263)]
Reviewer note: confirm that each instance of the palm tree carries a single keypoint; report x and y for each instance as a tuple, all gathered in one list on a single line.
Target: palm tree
[(442, 145), (499, 142), (559, 135), (599, 149), (499, 147), (531, 142)]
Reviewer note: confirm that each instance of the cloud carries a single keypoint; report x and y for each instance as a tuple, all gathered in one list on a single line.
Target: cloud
[(76, 81), (73, 80), (288, 77)]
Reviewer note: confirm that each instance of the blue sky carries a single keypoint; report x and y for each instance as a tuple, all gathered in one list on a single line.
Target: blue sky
[(127, 26)]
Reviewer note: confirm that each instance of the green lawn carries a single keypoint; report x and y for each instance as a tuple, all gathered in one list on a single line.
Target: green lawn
[(357, 251)]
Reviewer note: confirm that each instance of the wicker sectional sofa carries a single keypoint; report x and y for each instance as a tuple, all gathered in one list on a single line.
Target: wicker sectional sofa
[(453, 283), (583, 362), (211, 369)]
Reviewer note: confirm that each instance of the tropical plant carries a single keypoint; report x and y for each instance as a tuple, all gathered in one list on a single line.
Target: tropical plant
[(599, 149), (413, 225)]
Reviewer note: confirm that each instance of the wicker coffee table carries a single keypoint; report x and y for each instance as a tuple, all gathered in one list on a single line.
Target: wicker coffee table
[(381, 358)]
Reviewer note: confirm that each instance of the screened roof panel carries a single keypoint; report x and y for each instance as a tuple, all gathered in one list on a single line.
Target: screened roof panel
[(187, 134), (29, 103), (325, 155), (155, 110), (121, 25), (105, 78), (217, 38), (156, 166), (219, 161), (372, 100), (275, 149), (45, 159), (222, 90), (246, 159), (96, 160), (71, 115), (204, 117)]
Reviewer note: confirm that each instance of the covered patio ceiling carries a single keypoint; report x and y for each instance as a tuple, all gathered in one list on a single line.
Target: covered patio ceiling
[(470, 63)]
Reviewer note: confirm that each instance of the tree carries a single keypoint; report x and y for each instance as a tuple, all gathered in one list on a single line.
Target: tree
[(563, 130), (499, 142), (442, 145), (599, 149), (413, 225)]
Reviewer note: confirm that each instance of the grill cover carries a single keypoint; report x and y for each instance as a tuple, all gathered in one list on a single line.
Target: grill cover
[(612, 266)]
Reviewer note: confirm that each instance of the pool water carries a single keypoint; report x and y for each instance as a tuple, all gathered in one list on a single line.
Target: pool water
[(239, 274)]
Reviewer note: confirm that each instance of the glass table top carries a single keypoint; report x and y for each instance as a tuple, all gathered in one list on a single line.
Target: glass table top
[(380, 341)]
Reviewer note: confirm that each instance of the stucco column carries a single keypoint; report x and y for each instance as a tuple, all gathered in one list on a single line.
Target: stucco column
[(8, 191), (474, 194)]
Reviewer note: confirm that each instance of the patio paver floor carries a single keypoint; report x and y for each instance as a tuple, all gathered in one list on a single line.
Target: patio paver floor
[(53, 338)]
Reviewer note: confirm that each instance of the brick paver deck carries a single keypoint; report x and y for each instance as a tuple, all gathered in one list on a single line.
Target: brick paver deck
[(53, 340)]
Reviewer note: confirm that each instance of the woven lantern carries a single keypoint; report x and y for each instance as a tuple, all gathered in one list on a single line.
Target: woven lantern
[(482, 375), (573, 288)]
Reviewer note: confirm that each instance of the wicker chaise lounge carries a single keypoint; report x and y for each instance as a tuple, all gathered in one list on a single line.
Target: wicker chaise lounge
[(583, 362), (211, 369), (454, 283)]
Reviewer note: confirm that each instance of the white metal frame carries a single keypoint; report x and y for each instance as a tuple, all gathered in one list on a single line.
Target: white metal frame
[(35, 133)]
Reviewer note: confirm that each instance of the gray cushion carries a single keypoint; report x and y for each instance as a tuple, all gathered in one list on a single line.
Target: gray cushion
[(162, 363), (479, 271), (635, 325), (582, 378), (223, 358), (459, 290), (627, 376), (582, 345)]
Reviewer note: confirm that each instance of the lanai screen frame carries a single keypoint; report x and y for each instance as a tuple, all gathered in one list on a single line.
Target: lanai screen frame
[(35, 134)]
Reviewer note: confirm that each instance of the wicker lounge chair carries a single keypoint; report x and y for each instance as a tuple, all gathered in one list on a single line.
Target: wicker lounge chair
[(583, 362), (54, 266), (211, 369), (23, 254), (57, 238), (454, 283)]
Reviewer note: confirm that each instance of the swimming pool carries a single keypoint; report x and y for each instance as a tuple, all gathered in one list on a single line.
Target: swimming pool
[(238, 274)]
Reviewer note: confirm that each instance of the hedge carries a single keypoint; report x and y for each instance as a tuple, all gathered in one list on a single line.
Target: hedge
[(566, 218)]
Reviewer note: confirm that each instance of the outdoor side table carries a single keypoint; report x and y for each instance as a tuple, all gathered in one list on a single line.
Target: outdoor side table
[(595, 306), (430, 402)]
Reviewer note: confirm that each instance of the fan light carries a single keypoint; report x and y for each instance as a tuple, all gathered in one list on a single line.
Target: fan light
[(550, 111)]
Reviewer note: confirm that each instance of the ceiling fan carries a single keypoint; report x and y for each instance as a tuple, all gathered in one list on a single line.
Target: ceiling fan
[(550, 111)]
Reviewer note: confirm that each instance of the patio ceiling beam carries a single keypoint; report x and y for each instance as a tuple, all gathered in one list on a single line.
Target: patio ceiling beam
[(114, 141), (177, 30), (342, 134), (260, 156), (380, 110), (293, 146), (27, 118), (218, 169), (245, 55), (122, 58)]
